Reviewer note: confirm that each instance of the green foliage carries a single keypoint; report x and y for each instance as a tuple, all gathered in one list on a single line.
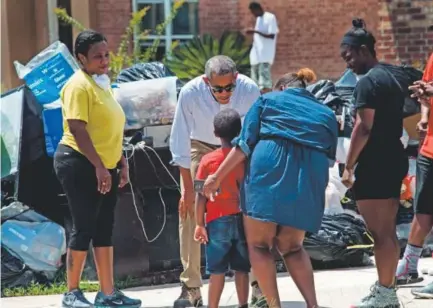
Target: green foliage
[(159, 30), (59, 286), (63, 16), (123, 57), (419, 64), (188, 60)]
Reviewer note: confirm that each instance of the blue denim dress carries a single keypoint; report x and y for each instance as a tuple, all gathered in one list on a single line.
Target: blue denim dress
[(290, 139)]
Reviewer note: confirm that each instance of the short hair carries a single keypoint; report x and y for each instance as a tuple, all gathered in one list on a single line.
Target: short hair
[(85, 40), (360, 33), (220, 65), (254, 5), (296, 80), (227, 124)]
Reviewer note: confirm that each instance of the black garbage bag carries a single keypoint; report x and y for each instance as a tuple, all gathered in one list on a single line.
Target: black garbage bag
[(406, 76), (322, 89), (144, 71), (338, 95), (341, 238), (14, 272), (326, 92)]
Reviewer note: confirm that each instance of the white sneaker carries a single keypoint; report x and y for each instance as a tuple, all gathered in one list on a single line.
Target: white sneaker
[(379, 297)]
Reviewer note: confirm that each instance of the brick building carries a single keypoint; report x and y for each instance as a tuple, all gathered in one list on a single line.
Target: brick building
[(310, 30)]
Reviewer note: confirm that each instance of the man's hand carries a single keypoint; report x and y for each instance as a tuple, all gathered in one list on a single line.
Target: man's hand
[(249, 31), (422, 89), (186, 203), (417, 88), (421, 128), (428, 88)]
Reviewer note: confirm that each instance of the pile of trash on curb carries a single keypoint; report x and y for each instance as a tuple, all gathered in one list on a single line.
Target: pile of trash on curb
[(32, 247)]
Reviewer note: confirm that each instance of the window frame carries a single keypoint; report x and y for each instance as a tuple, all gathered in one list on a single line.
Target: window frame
[(168, 36)]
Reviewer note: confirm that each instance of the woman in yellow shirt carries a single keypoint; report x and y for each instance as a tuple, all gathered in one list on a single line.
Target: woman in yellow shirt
[(90, 167)]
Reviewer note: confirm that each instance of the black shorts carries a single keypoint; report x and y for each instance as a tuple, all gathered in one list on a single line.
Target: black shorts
[(380, 179), (423, 203)]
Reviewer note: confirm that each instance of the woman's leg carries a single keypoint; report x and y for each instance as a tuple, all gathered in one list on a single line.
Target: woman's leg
[(83, 216), (102, 239), (74, 268), (380, 217), (103, 253), (260, 238), (79, 186), (289, 244), (78, 180), (104, 266)]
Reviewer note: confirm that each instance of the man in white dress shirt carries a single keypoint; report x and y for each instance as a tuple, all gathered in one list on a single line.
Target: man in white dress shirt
[(264, 45), (192, 136)]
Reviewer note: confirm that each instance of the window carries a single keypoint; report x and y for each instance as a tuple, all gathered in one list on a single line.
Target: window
[(183, 27)]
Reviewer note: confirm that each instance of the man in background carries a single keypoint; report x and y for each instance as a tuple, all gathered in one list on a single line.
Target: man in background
[(264, 45)]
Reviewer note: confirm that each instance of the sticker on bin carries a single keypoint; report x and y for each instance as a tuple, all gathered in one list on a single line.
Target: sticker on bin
[(47, 80), (47, 72)]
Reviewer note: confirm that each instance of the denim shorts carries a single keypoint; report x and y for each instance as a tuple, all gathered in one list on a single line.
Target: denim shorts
[(227, 246)]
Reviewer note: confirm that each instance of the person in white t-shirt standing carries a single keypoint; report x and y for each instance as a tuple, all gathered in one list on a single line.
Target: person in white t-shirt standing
[(264, 45)]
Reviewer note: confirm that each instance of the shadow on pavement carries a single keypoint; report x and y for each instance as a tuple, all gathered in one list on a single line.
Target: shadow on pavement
[(284, 304)]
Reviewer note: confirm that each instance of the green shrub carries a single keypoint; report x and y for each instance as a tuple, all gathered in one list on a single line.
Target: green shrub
[(188, 60)]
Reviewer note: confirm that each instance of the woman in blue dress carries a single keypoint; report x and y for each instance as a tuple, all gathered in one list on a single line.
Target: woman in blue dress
[(288, 140)]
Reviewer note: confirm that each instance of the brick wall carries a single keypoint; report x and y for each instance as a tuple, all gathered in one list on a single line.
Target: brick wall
[(215, 17), (403, 33), (310, 30), (112, 18)]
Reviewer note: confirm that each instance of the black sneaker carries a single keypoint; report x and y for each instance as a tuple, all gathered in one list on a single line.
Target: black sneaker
[(117, 299), (75, 299)]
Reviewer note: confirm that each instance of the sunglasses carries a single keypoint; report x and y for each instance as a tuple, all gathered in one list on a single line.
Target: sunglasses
[(219, 89)]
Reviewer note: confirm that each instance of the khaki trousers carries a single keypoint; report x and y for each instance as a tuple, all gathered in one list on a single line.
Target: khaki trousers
[(190, 253)]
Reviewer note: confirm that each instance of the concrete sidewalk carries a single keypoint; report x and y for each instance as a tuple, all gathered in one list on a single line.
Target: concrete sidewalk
[(335, 289)]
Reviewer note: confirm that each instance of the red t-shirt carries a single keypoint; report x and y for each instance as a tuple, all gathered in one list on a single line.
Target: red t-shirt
[(227, 201), (427, 146)]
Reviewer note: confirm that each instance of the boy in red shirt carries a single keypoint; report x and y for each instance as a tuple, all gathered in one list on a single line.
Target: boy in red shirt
[(223, 232)]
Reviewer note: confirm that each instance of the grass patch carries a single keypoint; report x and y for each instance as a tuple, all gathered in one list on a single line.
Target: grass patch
[(59, 287), (54, 288)]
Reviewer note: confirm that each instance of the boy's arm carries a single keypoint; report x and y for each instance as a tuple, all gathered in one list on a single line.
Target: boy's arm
[(200, 199), (200, 206)]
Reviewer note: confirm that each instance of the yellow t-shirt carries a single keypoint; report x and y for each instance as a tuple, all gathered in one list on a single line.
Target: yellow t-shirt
[(83, 99)]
